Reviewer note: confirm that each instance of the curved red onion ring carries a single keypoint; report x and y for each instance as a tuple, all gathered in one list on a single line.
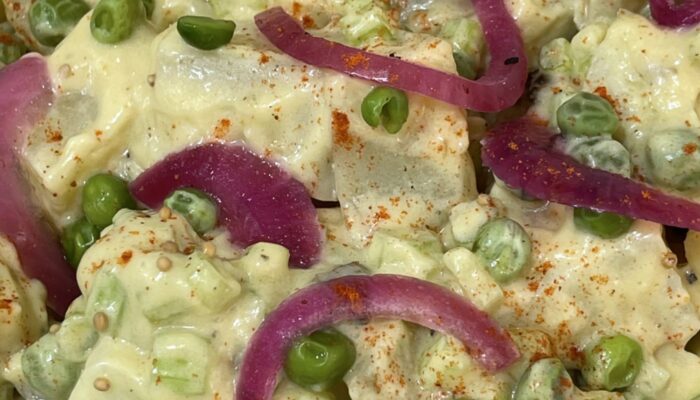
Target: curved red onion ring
[(25, 97), (523, 154), (668, 13), (258, 201), (498, 89), (362, 297)]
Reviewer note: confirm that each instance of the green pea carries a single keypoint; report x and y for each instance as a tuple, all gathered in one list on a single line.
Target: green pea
[(674, 158), (113, 21), (205, 33), (196, 206), (51, 20), (320, 360), (542, 380), (77, 238), (603, 224), (601, 153), (386, 106), (11, 47), (504, 247), (613, 363), (586, 114), (47, 371), (103, 196)]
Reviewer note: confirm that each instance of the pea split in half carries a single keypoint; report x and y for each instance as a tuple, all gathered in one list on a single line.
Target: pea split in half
[(205, 33)]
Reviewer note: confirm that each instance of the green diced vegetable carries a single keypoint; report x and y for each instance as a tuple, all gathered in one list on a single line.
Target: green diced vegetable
[(75, 337), (386, 106), (77, 238), (586, 114), (181, 362), (674, 157), (211, 287), (556, 56), (11, 47), (601, 153), (103, 196), (149, 6), (466, 66), (605, 225), (51, 20), (113, 21), (541, 381), (613, 363), (47, 371), (107, 298), (320, 360), (205, 33), (196, 206), (504, 247), (467, 39)]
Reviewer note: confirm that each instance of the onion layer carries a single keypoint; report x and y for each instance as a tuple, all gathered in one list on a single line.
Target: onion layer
[(362, 297), (25, 99), (523, 154), (673, 14), (498, 89), (258, 201)]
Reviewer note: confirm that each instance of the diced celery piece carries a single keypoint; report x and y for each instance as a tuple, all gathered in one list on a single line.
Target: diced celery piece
[(556, 56), (109, 297), (181, 362), (166, 310), (124, 365), (210, 286), (47, 371), (447, 365), (75, 337), (409, 253)]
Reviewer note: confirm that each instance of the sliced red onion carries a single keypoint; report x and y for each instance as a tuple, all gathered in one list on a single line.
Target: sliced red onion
[(674, 14), (258, 201), (524, 155), (362, 297), (25, 96), (498, 89)]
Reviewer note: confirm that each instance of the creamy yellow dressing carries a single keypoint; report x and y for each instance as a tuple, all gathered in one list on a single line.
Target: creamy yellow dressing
[(22, 309), (650, 75), (123, 108)]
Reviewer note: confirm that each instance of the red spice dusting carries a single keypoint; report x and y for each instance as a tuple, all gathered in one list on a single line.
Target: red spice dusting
[(125, 257), (53, 135), (353, 60), (533, 286), (341, 125), (6, 39), (16, 6), (602, 91), (690, 148), (5, 304), (296, 9), (646, 194), (513, 146), (264, 59), (544, 267), (98, 133), (381, 214), (348, 293), (308, 22), (222, 128)]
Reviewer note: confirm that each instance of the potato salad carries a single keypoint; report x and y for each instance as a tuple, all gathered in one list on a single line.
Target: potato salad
[(349, 199)]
